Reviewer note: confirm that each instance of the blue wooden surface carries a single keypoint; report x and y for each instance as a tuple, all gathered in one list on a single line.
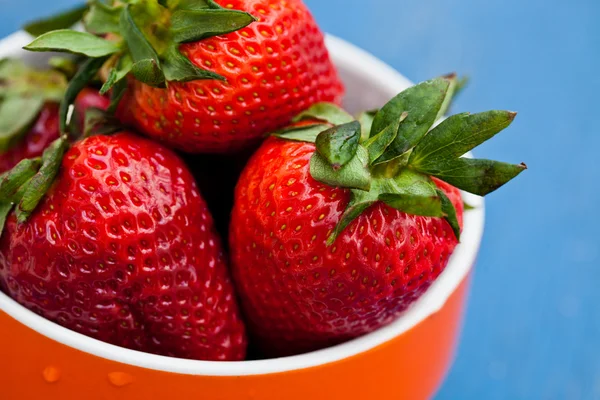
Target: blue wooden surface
[(533, 325)]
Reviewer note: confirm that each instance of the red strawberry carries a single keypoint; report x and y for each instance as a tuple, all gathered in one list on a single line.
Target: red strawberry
[(90, 98), (274, 68), (212, 76), (330, 244), (122, 249), (46, 129), (385, 258)]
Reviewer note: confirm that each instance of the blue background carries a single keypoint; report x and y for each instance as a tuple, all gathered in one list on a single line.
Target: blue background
[(533, 324)]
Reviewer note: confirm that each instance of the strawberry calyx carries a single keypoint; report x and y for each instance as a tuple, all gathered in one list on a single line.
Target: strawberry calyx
[(390, 155), (24, 186), (23, 93), (139, 37)]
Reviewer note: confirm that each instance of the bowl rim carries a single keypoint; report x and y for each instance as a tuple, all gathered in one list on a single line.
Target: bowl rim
[(461, 262)]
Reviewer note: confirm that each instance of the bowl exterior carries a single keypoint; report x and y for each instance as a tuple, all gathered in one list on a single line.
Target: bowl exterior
[(411, 366)]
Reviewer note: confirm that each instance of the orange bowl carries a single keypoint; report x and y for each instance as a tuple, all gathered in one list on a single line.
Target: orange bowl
[(407, 359)]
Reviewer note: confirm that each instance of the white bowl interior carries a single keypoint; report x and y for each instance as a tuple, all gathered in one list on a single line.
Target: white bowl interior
[(369, 84)]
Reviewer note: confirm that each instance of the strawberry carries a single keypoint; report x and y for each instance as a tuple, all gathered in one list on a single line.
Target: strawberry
[(90, 98), (121, 248), (207, 76), (340, 225), (39, 92)]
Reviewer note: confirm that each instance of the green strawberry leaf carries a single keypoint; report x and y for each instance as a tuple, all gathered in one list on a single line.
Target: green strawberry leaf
[(456, 87), (42, 181), (63, 20), (338, 145), (354, 175), (110, 81), (146, 64), (409, 192), (304, 133), (195, 25), (100, 122), (139, 47), (407, 182), (5, 209), (117, 73), (380, 142), (449, 213), (17, 79), (149, 72), (153, 21), (118, 91), (74, 42), (211, 3), (359, 202), (412, 193), (17, 114), (102, 18), (86, 73), (23, 92), (327, 112), (178, 68), (422, 102), (14, 179), (366, 122), (459, 134), (18, 198), (414, 204), (64, 65), (453, 84), (479, 177), (189, 4)]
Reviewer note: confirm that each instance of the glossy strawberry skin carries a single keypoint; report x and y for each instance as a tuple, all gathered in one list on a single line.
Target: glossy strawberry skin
[(122, 249), (89, 98), (46, 129), (300, 295), (274, 68)]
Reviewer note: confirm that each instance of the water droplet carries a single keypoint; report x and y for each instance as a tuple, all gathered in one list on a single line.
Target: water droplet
[(51, 374), (120, 379)]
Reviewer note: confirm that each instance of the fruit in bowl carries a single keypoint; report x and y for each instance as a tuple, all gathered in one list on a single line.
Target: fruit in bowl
[(91, 242), (121, 248), (344, 241), (338, 226), (206, 76)]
